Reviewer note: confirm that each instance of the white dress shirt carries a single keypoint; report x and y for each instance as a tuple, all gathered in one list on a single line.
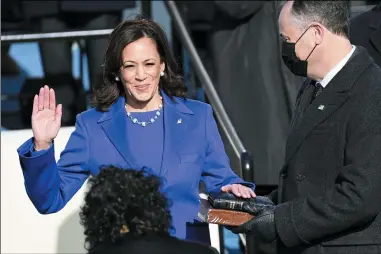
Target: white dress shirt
[(332, 73)]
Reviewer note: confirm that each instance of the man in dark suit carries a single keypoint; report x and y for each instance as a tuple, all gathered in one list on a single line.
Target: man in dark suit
[(328, 198), (366, 32), (125, 212)]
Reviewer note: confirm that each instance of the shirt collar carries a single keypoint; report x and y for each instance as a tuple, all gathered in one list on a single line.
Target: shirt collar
[(332, 73)]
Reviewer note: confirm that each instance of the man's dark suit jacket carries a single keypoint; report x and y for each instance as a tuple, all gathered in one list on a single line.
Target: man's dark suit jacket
[(365, 31), (329, 192), (152, 244)]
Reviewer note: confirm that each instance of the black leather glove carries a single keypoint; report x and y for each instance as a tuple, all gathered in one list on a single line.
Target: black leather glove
[(262, 225), (255, 205)]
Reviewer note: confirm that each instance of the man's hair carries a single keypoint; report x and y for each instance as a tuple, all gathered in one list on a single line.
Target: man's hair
[(123, 198), (334, 15)]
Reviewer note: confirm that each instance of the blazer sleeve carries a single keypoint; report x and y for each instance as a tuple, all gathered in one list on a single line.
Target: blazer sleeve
[(354, 199), (239, 9), (216, 169), (51, 185)]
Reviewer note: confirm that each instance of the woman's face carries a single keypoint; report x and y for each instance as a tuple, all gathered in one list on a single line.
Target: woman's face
[(140, 71)]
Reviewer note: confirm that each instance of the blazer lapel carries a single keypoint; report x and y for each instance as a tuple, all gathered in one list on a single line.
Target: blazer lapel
[(303, 100), (175, 126), (312, 117), (332, 97), (114, 124)]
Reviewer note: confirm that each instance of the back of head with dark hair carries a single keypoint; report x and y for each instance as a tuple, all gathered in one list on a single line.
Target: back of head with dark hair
[(334, 15), (123, 198), (125, 33)]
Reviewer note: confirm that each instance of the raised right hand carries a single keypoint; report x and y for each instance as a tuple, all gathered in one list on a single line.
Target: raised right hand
[(46, 118)]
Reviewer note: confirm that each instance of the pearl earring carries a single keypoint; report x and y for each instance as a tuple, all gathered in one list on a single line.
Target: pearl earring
[(162, 73), (116, 78)]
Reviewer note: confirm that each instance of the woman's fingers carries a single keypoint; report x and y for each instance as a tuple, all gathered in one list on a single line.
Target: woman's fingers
[(41, 99), (236, 192), (35, 104), (52, 99), (46, 97), (239, 190), (226, 188), (245, 192), (58, 113)]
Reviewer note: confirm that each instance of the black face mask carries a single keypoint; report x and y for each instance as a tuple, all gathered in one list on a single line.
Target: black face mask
[(297, 67)]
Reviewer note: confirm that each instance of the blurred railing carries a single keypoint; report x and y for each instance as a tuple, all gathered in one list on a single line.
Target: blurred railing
[(74, 35)]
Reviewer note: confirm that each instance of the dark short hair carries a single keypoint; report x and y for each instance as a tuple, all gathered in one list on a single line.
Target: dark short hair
[(334, 15), (119, 197), (125, 33)]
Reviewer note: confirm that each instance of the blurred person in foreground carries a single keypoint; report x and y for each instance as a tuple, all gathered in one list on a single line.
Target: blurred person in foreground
[(125, 212), (141, 118), (328, 199)]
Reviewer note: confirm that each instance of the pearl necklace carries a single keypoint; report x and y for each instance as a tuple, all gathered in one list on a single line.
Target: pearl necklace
[(144, 124)]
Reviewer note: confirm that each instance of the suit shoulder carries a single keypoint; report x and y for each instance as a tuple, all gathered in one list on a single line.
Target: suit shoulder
[(194, 247), (371, 78), (195, 105), (150, 244), (205, 249), (366, 93), (91, 115), (200, 248)]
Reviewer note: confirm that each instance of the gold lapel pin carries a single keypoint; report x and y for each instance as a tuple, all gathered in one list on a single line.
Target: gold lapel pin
[(124, 229), (321, 107)]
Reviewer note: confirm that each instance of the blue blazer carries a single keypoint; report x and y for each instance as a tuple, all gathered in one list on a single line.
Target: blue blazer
[(193, 151)]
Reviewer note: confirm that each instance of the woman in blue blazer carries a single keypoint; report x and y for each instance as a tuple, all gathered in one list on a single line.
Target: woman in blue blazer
[(141, 119)]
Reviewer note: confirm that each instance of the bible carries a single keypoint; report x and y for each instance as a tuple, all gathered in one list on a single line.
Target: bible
[(224, 209)]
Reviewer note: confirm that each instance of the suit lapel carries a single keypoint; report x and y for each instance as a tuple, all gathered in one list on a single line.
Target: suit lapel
[(332, 97), (312, 117), (176, 116), (114, 124), (304, 97)]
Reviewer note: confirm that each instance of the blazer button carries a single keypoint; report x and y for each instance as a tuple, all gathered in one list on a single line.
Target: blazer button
[(300, 177), (284, 174)]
